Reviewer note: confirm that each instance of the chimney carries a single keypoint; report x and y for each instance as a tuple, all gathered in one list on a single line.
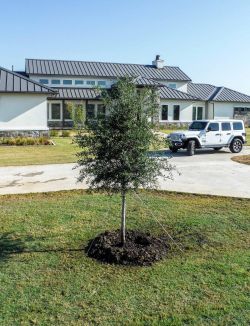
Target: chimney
[(158, 63)]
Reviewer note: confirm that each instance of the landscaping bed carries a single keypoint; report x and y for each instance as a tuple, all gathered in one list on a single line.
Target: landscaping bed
[(140, 249), (25, 141), (244, 159)]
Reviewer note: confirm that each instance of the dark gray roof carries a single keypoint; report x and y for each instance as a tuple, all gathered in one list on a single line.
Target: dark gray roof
[(225, 94), (11, 82), (102, 69), (174, 94), (207, 92), (77, 93), (202, 91), (91, 93), (142, 81)]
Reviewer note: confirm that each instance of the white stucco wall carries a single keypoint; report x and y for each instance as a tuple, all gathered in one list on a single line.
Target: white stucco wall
[(23, 112), (180, 86), (186, 110), (224, 110)]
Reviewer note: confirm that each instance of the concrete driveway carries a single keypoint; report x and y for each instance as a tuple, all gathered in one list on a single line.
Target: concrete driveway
[(207, 172)]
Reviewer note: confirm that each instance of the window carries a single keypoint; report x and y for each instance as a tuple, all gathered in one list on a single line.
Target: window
[(101, 83), (237, 126), (79, 82), (55, 82), (199, 113), (225, 126), (176, 112), (67, 82), (164, 112), (194, 112), (90, 114), (198, 125), (101, 111), (91, 82), (241, 111), (55, 112), (213, 126), (44, 81), (172, 85)]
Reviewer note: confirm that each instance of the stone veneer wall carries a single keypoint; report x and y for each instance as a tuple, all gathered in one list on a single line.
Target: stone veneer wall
[(24, 133)]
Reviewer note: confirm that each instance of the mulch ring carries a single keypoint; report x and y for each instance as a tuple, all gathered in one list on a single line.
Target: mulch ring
[(140, 249)]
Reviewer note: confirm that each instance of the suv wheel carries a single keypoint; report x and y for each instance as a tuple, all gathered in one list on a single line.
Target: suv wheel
[(191, 147), (236, 145)]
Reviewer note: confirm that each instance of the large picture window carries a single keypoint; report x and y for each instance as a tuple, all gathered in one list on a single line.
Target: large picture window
[(90, 113), (197, 113), (164, 112), (176, 112), (55, 111), (194, 113)]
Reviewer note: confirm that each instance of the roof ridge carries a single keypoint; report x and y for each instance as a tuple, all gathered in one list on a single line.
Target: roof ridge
[(203, 84), (107, 62), (26, 78)]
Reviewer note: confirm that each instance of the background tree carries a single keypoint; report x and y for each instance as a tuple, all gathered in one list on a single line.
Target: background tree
[(115, 155), (77, 114)]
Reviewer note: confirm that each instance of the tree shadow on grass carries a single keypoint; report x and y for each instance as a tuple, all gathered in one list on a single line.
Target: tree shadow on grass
[(11, 244)]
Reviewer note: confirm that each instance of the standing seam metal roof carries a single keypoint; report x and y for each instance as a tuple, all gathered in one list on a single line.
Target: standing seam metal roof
[(102, 69), (91, 93), (11, 82), (209, 92)]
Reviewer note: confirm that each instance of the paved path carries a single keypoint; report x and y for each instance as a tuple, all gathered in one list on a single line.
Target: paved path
[(206, 173)]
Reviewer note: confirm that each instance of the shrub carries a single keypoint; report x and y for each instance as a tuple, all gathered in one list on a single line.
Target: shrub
[(54, 133), (22, 141), (65, 133)]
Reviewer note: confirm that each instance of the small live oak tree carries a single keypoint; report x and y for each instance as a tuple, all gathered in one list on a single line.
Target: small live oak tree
[(115, 156)]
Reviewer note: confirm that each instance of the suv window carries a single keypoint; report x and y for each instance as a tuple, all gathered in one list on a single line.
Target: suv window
[(237, 126), (213, 126), (198, 125), (225, 126)]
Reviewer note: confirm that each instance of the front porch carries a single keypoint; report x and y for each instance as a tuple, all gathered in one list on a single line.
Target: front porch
[(61, 112)]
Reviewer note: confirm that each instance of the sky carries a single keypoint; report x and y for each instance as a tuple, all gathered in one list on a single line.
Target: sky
[(208, 39)]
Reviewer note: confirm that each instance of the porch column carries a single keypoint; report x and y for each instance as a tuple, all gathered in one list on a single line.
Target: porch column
[(63, 108)]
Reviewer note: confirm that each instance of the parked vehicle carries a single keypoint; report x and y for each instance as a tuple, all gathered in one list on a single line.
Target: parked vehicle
[(209, 134)]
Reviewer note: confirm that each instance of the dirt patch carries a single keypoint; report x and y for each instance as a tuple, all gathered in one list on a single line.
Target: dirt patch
[(243, 159), (141, 249)]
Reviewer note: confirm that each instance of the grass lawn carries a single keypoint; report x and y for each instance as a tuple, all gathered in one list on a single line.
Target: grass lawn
[(46, 279), (168, 131), (63, 152)]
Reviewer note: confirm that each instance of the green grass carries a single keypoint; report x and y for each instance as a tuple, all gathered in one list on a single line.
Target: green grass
[(168, 131), (63, 152), (46, 278)]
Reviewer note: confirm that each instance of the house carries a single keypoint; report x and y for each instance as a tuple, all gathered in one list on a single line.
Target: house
[(63, 82), (23, 104)]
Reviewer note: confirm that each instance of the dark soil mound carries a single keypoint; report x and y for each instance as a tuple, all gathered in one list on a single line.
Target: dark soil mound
[(141, 249)]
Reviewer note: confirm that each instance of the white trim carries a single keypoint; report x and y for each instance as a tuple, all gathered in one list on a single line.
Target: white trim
[(61, 110)]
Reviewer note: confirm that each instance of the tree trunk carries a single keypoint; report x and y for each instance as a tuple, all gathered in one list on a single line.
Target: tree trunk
[(123, 219)]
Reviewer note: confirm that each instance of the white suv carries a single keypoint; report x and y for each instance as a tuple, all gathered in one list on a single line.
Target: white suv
[(209, 134)]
